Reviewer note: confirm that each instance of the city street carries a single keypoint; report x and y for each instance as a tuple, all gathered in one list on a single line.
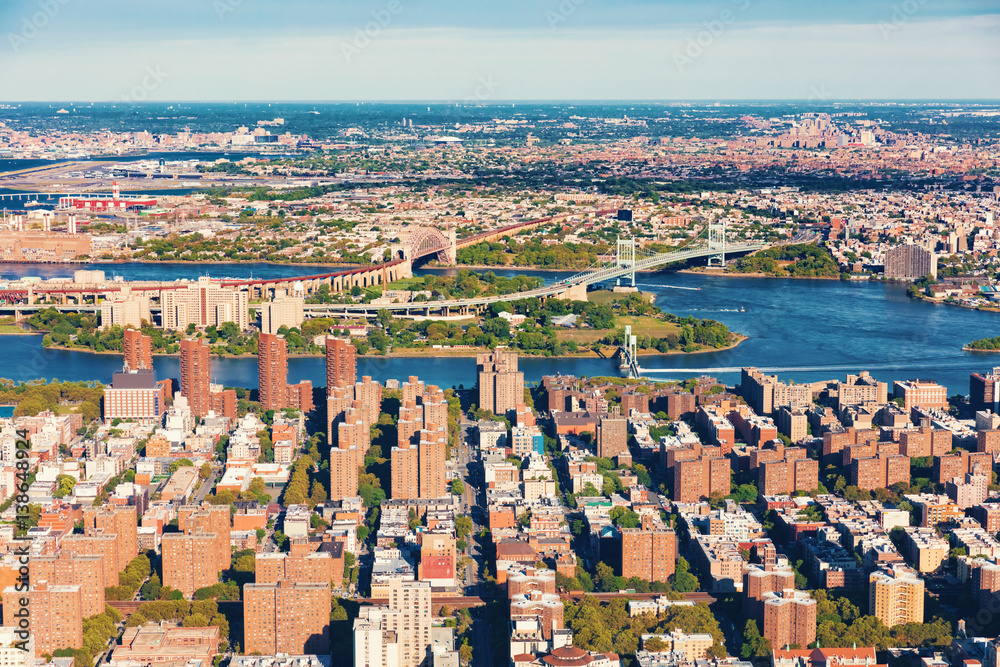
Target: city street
[(469, 472)]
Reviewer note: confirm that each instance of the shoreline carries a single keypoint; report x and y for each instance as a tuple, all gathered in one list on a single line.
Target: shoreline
[(956, 304), (410, 353), (348, 266), (723, 274), (975, 350)]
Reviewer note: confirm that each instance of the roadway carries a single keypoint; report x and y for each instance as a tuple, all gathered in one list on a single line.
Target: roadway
[(587, 278), (467, 470), (590, 277)]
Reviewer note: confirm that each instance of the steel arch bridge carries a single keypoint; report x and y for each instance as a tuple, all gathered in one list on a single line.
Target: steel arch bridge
[(427, 241)]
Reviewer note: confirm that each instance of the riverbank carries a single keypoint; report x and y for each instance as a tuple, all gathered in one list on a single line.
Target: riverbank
[(347, 266), (724, 274), (428, 352), (415, 352), (975, 349), (957, 304)]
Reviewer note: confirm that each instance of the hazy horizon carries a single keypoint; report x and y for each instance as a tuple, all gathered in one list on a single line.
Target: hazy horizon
[(491, 51)]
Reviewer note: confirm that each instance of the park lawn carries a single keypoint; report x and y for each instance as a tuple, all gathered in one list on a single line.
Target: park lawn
[(586, 336), (603, 297), (11, 329), (641, 326), (649, 326), (411, 284)]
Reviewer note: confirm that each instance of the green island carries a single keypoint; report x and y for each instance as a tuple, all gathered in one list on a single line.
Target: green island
[(984, 345), (595, 327), (804, 260)]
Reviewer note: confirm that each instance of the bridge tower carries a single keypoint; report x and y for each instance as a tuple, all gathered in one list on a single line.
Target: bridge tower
[(452, 246), (625, 258), (629, 353), (717, 242)]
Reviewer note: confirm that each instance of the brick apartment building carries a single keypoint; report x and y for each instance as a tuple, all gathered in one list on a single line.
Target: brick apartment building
[(788, 476), (196, 374), (283, 617), (65, 569), (699, 478), (55, 614), (880, 472), (138, 351), (789, 618), (612, 435), (341, 364), (648, 553), (501, 385), (120, 520)]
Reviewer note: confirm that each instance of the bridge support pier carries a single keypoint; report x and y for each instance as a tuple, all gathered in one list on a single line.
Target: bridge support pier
[(576, 292)]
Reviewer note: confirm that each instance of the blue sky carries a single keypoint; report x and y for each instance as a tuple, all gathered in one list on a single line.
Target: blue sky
[(496, 50)]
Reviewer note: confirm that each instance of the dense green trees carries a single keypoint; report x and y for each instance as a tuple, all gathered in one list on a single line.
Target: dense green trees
[(807, 260), (609, 628), (532, 252), (841, 623), (203, 612), (985, 344), (297, 489), (131, 579), (754, 645), (97, 632), (39, 396), (80, 331)]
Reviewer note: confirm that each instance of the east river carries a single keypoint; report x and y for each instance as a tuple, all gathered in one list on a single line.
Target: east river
[(804, 330)]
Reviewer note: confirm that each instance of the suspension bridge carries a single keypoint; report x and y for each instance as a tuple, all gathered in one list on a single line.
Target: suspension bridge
[(621, 266), (617, 268)]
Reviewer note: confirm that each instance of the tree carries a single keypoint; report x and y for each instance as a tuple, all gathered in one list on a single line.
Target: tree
[(624, 517), (64, 486), (182, 463), (457, 488), (463, 526), (206, 471), (754, 646), (656, 645), (683, 580), (151, 589), (465, 652)]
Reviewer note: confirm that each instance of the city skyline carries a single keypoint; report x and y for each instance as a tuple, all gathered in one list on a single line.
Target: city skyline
[(559, 51)]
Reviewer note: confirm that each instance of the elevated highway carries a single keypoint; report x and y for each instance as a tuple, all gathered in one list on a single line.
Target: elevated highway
[(573, 287), (623, 265)]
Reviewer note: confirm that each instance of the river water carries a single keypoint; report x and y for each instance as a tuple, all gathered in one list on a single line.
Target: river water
[(805, 330)]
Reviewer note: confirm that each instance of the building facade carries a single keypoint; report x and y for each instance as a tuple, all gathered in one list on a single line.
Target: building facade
[(283, 617), (501, 385), (196, 374)]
